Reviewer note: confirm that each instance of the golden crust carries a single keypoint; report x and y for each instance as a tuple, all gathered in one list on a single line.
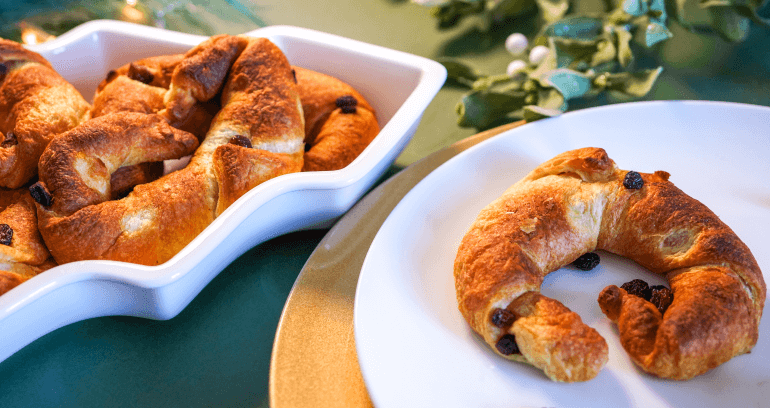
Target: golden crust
[(157, 219), (36, 104), (27, 255), (576, 203), (76, 168), (142, 86), (335, 138)]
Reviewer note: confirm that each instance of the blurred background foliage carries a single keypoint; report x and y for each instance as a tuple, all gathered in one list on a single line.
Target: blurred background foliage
[(566, 50)]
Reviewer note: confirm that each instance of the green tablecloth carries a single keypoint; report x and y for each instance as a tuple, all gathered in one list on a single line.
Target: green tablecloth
[(217, 351)]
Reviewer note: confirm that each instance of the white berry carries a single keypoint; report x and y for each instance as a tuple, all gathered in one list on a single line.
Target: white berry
[(537, 54), (515, 67), (516, 43)]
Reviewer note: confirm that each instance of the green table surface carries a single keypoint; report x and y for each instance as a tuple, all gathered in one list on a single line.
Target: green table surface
[(216, 352)]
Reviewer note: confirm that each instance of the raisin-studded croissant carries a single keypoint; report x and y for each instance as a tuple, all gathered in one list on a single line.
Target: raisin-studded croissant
[(339, 122), (36, 104), (258, 134), (578, 202), (22, 251)]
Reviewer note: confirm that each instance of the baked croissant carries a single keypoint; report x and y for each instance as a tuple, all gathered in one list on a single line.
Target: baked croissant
[(22, 251), (142, 85), (339, 122), (36, 104), (578, 202), (256, 135)]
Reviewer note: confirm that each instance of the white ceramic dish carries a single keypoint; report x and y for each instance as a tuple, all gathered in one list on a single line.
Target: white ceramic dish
[(404, 86), (415, 349)]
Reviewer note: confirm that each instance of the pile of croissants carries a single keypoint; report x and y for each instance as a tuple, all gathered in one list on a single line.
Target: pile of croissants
[(87, 181)]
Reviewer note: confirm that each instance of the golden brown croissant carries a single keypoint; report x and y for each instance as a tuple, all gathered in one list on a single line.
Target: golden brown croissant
[(339, 122), (256, 135), (580, 201), (22, 251), (36, 104), (142, 85)]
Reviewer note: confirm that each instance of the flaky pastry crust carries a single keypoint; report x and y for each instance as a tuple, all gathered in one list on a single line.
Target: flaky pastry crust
[(577, 203), (260, 104), (36, 104), (335, 135)]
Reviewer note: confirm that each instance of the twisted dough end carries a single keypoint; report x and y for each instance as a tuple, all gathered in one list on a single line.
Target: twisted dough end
[(578, 202)]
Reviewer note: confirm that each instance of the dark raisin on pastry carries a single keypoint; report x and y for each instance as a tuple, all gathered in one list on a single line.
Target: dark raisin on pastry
[(633, 181), (9, 140), (507, 345), (587, 261), (661, 297), (503, 318), (637, 287), (6, 234), (347, 103), (241, 140), (40, 194)]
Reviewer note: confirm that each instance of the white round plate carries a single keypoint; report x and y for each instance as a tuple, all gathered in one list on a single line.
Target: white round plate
[(415, 349)]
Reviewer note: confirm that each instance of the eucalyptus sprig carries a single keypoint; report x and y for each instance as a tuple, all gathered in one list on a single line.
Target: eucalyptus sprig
[(575, 56)]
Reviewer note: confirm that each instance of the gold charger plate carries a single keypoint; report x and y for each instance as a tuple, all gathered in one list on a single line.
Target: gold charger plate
[(314, 361)]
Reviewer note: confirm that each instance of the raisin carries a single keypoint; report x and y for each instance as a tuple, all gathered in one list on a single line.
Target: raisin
[(40, 194), (140, 73), (661, 297), (347, 103), (507, 345), (503, 318), (294, 74), (633, 181), (637, 287), (9, 140), (6, 234), (587, 261), (111, 75), (3, 71), (241, 140)]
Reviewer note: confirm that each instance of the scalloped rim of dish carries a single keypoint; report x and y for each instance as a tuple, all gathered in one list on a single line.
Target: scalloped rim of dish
[(392, 139)]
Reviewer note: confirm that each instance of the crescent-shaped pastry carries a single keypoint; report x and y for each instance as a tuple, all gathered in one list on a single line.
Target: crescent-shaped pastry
[(22, 251), (258, 134), (579, 202), (36, 104), (339, 122)]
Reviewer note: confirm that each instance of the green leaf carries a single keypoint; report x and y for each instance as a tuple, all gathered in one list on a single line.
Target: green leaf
[(745, 8), (481, 109), (730, 25), (550, 98), (582, 54), (605, 52), (460, 72), (488, 82), (450, 14), (658, 8), (625, 56), (635, 7), (656, 33), (571, 84), (576, 28), (533, 113), (552, 10), (570, 52), (632, 84)]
